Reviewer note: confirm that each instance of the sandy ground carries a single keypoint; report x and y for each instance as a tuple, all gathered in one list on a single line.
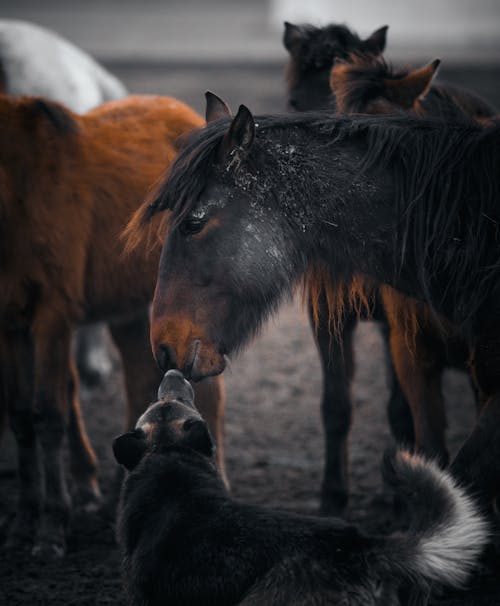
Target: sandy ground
[(274, 436)]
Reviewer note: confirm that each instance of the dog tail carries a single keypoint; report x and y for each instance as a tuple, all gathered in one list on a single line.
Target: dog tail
[(448, 531)]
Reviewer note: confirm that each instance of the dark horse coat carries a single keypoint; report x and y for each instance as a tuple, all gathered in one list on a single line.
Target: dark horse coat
[(361, 82), (411, 203), (186, 542)]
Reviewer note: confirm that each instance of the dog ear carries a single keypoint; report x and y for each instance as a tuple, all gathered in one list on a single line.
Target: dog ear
[(198, 437), (129, 448)]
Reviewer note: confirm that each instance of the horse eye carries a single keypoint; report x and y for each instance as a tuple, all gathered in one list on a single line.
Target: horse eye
[(191, 226)]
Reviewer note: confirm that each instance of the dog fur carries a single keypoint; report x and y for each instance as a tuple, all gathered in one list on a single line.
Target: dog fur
[(187, 542)]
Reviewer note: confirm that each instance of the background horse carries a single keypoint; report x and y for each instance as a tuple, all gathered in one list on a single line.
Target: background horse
[(410, 203), (70, 183), (312, 52), (37, 61), (420, 347), (362, 83)]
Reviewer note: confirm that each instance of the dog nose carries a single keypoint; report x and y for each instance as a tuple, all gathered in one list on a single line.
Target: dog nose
[(175, 386), (165, 357)]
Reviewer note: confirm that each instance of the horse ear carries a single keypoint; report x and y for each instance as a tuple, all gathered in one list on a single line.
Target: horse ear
[(129, 448), (376, 42), (216, 108), (198, 437), (405, 91), (293, 37), (241, 133)]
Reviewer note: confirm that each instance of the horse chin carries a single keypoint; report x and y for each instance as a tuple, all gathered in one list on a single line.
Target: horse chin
[(206, 362)]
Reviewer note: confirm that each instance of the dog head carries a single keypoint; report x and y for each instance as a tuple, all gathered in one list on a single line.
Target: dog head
[(172, 421)]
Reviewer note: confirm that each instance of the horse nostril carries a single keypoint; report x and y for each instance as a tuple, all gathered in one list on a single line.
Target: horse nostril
[(165, 357)]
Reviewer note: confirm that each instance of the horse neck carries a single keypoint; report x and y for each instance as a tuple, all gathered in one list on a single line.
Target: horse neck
[(343, 216)]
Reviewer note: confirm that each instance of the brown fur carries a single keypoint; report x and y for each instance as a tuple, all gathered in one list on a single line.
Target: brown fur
[(355, 295), (68, 186), (365, 83)]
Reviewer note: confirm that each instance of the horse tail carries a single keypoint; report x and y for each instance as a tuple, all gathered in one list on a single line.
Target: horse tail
[(448, 531)]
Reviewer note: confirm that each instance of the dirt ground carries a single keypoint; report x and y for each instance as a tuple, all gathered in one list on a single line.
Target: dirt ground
[(273, 429)]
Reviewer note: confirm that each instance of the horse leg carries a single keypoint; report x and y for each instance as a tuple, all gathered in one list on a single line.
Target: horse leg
[(419, 374), (477, 463), (398, 410), (210, 399), (83, 460), (141, 375), (16, 394), (142, 379), (335, 350), (52, 376)]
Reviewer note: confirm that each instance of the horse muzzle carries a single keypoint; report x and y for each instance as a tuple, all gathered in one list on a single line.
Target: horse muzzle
[(179, 344)]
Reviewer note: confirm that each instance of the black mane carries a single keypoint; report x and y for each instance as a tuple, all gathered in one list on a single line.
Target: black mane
[(446, 178)]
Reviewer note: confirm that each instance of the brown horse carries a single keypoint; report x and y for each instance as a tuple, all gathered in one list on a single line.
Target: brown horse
[(422, 345), (363, 83), (69, 185)]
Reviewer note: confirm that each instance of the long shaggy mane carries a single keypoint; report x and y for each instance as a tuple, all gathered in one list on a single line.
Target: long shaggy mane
[(447, 182)]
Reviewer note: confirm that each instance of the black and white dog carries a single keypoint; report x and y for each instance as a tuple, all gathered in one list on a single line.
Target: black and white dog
[(186, 542)]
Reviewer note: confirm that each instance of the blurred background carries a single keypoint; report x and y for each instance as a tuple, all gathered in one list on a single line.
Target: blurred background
[(178, 47)]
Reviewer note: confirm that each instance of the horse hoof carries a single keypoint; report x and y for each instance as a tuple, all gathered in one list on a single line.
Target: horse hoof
[(48, 551)]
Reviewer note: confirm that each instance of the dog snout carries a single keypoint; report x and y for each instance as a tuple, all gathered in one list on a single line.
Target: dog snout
[(175, 387)]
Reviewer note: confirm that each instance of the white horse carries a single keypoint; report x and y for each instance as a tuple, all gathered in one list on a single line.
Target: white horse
[(36, 61)]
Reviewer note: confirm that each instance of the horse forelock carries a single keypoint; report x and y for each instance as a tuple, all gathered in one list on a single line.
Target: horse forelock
[(187, 176)]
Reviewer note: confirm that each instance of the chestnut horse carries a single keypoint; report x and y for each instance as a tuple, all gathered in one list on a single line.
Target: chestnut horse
[(69, 185), (411, 203), (37, 61)]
